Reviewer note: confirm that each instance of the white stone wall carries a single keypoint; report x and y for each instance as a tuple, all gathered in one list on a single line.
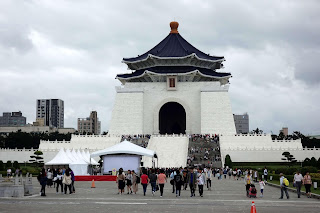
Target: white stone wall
[(172, 151), (127, 114), (261, 148), (216, 113), (155, 95), (91, 143)]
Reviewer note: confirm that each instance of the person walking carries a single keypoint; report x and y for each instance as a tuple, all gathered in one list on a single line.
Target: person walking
[(72, 181), (144, 181), (178, 181), (67, 181), (284, 186), (42, 178), (265, 174), (262, 184), (173, 173), (192, 181), (9, 173), (129, 182), (59, 181), (121, 181), (50, 178), (255, 175), (161, 180), (208, 178), (184, 175), (153, 181), (135, 181), (297, 180), (200, 181), (307, 184), (248, 181)]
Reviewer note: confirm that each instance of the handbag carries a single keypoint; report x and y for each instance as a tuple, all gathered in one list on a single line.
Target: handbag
[(55, 179), (157, 187), (172, 182)]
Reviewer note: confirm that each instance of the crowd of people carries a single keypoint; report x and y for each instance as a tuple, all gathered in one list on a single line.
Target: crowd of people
[(58, 178), (180, 179)]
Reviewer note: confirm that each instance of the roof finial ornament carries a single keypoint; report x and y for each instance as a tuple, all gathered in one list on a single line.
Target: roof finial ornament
[(174, 27)]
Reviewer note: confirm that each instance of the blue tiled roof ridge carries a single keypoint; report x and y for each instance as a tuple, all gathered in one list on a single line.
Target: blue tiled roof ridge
[(173, 46)]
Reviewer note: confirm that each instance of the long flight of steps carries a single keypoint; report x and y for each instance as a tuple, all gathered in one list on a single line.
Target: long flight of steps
[(172, 151)]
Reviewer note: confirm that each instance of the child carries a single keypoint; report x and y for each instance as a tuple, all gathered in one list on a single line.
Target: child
[(262, 184), (252, 191)]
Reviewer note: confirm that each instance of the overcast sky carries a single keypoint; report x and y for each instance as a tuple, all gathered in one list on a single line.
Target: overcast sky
[(72, 50)]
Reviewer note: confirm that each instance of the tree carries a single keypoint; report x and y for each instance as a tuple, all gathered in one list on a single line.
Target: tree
[(1, 165), (36, 158), (313, 162), (257, 131), (228, 161), (16, 165), (8, 164), (306, 162), (288, 158), (318, 163)]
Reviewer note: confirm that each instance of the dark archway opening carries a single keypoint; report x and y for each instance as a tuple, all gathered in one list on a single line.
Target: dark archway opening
[(172, 119)]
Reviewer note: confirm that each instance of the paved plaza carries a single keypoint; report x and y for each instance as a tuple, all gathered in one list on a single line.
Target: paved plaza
[(226, 196)]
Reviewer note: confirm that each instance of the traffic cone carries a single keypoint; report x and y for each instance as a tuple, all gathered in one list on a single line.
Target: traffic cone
[(253, 208), (92, 184)]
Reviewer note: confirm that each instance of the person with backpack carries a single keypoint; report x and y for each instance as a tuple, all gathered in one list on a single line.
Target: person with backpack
[(248, 181), (59, 181), (178, 181), (284, 183), (153, 181)]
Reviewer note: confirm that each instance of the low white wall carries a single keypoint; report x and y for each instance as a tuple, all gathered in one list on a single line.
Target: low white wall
[(261, 148)]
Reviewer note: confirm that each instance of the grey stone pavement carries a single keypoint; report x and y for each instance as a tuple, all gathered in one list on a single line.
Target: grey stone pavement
[(226, 196)]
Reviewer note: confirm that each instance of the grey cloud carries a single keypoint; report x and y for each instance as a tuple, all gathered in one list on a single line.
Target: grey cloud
[(271, 49)]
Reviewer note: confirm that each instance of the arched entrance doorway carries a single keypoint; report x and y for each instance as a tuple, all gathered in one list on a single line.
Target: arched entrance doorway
[(172, 119)]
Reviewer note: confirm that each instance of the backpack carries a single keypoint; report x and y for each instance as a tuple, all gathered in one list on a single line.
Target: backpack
[(285, 182), (138, 179)]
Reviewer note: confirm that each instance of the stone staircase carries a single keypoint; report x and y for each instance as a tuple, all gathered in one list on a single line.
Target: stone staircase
[(204, 150), (172, 151)]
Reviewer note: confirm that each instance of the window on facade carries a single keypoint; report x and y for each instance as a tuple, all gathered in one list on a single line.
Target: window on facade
[(172, 82)]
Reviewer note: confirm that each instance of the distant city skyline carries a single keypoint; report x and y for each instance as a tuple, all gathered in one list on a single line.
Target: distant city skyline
[(73, 51)]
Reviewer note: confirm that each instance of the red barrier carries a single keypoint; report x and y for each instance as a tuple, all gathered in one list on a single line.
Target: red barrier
[(96, 178)]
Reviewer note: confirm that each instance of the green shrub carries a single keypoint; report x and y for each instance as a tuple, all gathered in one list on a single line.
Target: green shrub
[(309, 169), (1, 165)]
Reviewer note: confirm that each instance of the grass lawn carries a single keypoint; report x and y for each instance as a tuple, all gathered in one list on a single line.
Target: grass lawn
[(291, 186)]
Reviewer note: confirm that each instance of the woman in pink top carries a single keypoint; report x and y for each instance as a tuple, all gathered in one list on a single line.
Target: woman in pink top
[(307, 184), (161, 180)]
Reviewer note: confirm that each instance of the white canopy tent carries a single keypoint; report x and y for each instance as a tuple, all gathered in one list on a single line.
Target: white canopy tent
[(60, 159), (74, 159), (125, 155)]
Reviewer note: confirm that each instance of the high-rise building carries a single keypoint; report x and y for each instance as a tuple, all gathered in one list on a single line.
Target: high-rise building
[(90, 124), (242, 123), (12, 119), (51, 111), (284, 130)]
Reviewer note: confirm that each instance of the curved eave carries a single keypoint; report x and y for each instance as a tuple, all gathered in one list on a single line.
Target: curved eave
[(221, 58), (168, 74)]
